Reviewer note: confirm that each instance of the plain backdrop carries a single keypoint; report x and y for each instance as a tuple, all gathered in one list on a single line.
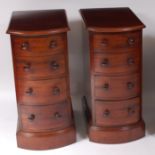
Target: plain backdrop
[(145, 10)]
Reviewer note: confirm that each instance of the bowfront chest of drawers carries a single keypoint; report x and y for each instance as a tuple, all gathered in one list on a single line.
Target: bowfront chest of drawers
[(113, 75), (39, 49)]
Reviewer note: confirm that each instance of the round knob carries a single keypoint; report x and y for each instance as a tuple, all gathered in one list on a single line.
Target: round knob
[(25, 46), (54, 65), (29, 91), (105, 62), (104, 42), (131, 110), (130, 85), (106, 113), (27, 67), (131, 41), (56, 91), (31, 117), (57, 115), (53, 44), (106, 86), (130, 61)]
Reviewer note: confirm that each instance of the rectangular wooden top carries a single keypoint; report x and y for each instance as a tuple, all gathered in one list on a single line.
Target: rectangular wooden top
[(110, 19), (40, 22)]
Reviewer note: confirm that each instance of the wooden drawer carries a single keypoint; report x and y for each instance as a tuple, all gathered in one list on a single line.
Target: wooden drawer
[(118, 87), (41, 92), (40, 67), (117, 63), (39, 46), (37, 118), (116, 42), (115, 113)]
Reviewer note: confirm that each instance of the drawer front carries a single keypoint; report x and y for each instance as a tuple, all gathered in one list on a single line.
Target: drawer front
[(37, 118), (39, 46), (119, 87), (116, 42), (40, 67), (117, 63), (113, 113), (41, 92)]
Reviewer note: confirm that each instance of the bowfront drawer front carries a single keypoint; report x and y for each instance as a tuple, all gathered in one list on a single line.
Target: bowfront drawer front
[(117, 63), (116, 42), (39, 46), (41, 92), (115, 113), (37, 118), (40, 67), (119, 87)]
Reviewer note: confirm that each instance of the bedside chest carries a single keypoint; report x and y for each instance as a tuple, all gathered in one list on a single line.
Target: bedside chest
[(113, 66), (40, 59)]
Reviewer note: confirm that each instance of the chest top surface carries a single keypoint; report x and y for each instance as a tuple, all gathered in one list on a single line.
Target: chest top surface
[(38, 22), (111, 20)]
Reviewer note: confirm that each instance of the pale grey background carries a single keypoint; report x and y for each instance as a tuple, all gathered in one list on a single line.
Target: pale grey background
[(8, 113)]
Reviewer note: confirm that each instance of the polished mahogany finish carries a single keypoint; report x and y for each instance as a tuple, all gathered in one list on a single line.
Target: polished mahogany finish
[(111, 20), (116, 87), (115, 113), (40, 58), (41, 118), (41, 92), (121, 42), (41, 67), (40, 22), (113, 75), (39, 46), (116, 63)]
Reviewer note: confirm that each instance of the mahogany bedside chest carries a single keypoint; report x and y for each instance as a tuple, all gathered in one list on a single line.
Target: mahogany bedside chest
[(40, 59), (113, 63)]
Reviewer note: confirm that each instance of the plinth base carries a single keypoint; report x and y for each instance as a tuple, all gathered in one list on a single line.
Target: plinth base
[(46, 140), (116, 135)]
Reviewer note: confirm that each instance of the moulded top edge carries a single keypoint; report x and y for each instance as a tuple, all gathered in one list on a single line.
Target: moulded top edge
[(113, 30), (36, 33)]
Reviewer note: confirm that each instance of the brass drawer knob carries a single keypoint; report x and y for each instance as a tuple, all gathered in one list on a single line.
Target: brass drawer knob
[(29, 91), (130, 85), (31, 117), (53, 44), (57, 115), (106, 86), (27, 67), (56, 91), (131, 41), (131, 110), (25, 46), (130, 61), (105, 62), (106, 113), (54, 65)]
